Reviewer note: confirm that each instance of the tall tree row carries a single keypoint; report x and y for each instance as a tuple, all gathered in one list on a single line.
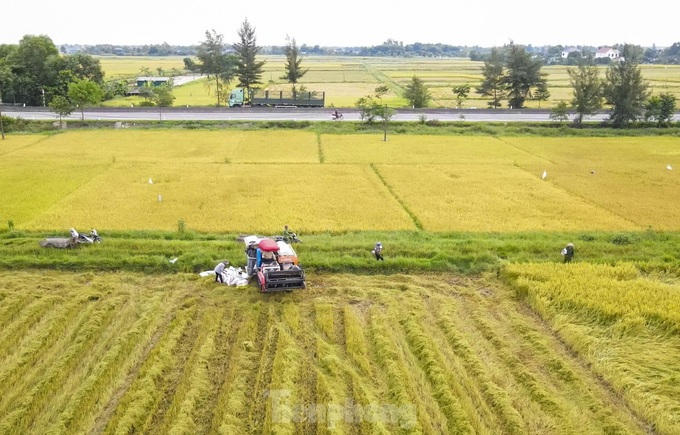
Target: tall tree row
[(512, 74), (625, 89)]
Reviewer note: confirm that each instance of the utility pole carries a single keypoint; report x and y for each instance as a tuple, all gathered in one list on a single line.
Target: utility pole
[(2, 127), (385, 122)]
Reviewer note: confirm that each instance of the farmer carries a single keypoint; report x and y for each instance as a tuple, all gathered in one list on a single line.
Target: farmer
[(219, 271), (568, 252), (377, 251), (74, 235), (287, 234)]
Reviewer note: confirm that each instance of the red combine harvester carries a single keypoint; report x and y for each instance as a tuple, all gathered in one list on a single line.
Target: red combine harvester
[(275, 263)]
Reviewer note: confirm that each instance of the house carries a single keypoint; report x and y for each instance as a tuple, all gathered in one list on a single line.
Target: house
[(566, 51), (607, 52)]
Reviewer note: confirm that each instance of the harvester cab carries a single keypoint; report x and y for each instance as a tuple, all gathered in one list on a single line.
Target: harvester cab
[(275, 263)]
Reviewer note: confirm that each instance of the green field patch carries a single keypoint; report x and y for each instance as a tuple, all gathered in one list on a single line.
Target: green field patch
[(129, 67)]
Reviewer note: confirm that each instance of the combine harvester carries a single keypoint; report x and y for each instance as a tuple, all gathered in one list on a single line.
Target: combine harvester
[(275, 263)]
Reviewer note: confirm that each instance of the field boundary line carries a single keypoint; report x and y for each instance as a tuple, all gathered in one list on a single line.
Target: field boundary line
[(403, 205), (382, 78), (27, 146), (322, 157), (524, 151)]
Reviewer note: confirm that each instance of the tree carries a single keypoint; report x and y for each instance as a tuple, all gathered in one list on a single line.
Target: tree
[(541, 93), (587, 90), (660, 108), (293, 67), (494, 75), (560, 112), (61, 106), (625, 89), (461, 92), (416, 93), (523, 74), (190, 65), (5, 81), (249, 70), (85, 93), (32, 67), (371, 106), (162, 96), (219, 67), (385, 113)]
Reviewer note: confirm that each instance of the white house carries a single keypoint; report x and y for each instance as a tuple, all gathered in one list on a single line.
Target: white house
[(566, 51), (607, 52)]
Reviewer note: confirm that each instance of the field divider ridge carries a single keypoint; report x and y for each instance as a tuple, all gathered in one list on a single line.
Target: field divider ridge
[(414, 218)]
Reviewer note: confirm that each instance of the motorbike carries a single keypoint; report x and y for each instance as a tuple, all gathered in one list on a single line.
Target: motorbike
[(290, 238), (71, 242), (336, 116), (93, 237)]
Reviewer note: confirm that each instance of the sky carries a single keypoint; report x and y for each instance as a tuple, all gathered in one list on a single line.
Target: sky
[(345, 23)]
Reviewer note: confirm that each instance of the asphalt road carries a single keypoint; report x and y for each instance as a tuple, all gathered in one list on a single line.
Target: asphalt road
[(289, 114)]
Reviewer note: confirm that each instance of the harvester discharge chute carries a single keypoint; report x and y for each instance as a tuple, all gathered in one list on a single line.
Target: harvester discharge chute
[(275, 263)]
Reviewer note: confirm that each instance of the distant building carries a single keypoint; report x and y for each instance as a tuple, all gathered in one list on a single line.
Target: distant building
[(566, 51), (607, 52), (153, 81)]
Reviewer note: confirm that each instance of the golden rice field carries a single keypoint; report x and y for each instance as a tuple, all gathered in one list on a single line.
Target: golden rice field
[(233, 181), (348, 78), (123, 353), (622, 323)]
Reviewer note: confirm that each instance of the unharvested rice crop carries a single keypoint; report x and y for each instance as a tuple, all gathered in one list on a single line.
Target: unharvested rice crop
[(176, 147), (29, 188), (123, 353), (628, 176), (624, 323), (14, 142), (416, 149), (237, 180), (492, 198), (225, 197)]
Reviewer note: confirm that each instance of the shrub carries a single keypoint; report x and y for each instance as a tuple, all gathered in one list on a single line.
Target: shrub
[(621, 239)]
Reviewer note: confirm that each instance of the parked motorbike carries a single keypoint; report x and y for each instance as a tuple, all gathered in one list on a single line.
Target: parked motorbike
[(93, 237), (290, 238)]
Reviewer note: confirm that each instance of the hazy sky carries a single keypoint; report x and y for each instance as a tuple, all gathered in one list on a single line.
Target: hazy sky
[(346, 22)]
